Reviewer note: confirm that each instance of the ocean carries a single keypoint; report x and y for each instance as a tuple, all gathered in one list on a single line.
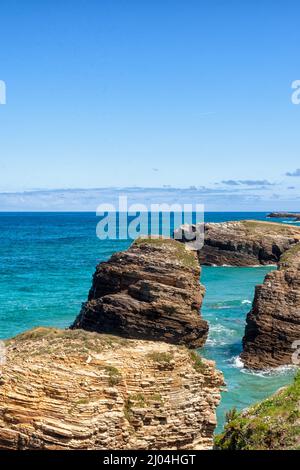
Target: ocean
[(46, 265)]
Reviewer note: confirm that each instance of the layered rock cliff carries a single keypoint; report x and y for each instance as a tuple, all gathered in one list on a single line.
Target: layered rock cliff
[(274, 321), (80, 390), (270, 425), (151, 291), (246, 243), (273, 324)]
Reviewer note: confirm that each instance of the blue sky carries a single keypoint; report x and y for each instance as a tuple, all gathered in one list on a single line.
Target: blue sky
[(150, 94)]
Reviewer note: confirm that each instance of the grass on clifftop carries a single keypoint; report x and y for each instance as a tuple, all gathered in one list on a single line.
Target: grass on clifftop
[(47, 340), (185, 257), (290, 254), (261, 227), (271, 424)]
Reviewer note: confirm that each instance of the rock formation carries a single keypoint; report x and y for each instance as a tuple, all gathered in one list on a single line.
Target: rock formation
[(274, 321), (273, 324), (245, 243), (80, 390), (284, 215), (151, 291)]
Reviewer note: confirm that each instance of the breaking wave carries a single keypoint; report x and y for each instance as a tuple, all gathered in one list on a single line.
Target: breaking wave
[(237, 363)]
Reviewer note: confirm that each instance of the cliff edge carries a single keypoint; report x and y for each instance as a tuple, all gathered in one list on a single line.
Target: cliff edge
[(246, 243), (79, 390)]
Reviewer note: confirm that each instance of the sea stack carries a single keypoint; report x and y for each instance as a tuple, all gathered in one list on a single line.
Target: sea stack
[(284, 215), (78, 389), (151, 291), (273, 324)]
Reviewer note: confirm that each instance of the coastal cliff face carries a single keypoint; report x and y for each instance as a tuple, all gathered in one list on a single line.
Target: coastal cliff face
[(270, 425), (80, 390), (273, 323), (246, 243), (151, 291)]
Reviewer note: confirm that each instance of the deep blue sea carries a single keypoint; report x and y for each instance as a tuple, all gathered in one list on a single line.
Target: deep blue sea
[(46, 266)]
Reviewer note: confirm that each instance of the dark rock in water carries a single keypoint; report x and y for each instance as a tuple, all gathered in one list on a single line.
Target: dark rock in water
[(284, 215), (273, 324), (151, 291)]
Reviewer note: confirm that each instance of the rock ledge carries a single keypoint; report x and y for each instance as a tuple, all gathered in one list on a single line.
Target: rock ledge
[(79, 390)]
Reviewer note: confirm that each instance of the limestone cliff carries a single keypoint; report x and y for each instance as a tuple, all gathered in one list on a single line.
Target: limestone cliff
[(273, 324), (80, 390), (151, 291)]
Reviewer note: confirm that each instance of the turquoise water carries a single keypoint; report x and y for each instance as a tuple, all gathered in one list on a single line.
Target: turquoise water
[(229, 294), (46, 266)]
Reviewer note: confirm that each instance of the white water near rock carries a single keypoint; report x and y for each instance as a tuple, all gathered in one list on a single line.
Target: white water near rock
[(226, 304)]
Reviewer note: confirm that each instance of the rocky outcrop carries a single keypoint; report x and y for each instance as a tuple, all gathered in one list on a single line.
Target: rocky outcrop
[(284, 215), (80, 390), (274, 321), (151, 291), (273, 324), (246, 243), (270, 425)]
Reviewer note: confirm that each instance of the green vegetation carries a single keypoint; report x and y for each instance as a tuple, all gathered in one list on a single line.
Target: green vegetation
[(90, 339), (139, 400), (114, 375), (198, 364), (271, 424), (52, 341), (161, 357), (270, 227), (185, 257), (290, 254), (82, 401), (37, 333), (231, 415)]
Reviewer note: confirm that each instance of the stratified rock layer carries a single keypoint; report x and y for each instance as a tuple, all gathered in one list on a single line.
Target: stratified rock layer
[(274, 321), (246, 243), (273, 324), (80, 390), (151, 291)]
